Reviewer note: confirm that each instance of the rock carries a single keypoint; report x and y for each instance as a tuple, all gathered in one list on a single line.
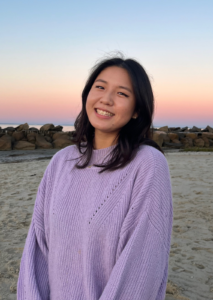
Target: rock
[(176, 141), (183, 129), (31, 137), (164, 128), (18, 135), (23, 145), (7, 137), (47, 127), (199, 142), (173, 129), (208, 135), (33, 129), (5, 144), (48, 139), (42, 143), (191, 135), (62, 143), (187, 142), (9, 129), (58, 135), (158, 138), (50, 133), (181, 135), (206, 142), (208, 129), (58, 128), (165, 136), (22, 127), (195, 129), (72, 133), (173, 136), (10, 133)]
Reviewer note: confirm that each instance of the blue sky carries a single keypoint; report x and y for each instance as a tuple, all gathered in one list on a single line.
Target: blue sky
[(53, 44)]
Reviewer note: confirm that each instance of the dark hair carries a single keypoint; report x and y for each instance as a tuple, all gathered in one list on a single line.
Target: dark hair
[(136, 132)]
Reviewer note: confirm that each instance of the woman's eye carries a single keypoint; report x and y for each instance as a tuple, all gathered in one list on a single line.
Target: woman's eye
[(99, 87), (122, 94)]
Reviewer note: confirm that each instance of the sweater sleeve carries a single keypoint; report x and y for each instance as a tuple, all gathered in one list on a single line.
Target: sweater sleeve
[(141, 267), (33, 281)]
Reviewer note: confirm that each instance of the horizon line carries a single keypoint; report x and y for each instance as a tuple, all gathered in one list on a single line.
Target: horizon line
[(19, 123)]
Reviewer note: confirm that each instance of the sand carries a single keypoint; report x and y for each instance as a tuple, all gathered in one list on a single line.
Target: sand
[(191, 256)]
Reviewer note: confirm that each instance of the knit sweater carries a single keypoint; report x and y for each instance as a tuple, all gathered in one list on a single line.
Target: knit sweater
[(99, 236)]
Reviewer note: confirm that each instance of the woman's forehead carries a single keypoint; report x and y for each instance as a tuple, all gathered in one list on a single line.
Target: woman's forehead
[(115, 75)]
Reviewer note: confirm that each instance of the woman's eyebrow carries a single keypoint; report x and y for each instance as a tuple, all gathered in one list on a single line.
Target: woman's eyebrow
[(125, 88), (101, 80), (121, 87)]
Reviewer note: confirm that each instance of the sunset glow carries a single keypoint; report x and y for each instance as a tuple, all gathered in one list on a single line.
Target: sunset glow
[(48, 50)]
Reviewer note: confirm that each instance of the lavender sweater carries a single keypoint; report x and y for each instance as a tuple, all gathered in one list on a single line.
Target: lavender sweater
[(99, 236)]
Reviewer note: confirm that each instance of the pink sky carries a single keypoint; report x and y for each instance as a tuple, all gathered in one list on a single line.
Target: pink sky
[(48, 50), (172, 110), (53, 94)]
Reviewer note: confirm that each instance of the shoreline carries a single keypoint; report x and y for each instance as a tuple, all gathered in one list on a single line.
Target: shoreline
[(18, 156)]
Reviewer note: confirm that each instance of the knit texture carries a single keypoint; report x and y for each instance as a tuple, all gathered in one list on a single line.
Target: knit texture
[(99, 236)]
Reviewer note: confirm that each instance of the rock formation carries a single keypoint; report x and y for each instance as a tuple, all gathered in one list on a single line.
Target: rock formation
[(47, 127), (41, 142), (5, 144), (31, 137), (23, 145), (49, 136), (184, 137), (18, 135), (22, 127)]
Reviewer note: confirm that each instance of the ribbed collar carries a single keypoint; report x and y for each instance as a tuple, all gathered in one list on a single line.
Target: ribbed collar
[(101, 155)]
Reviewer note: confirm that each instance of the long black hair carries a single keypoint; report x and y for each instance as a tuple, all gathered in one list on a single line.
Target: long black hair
[(136, 132)]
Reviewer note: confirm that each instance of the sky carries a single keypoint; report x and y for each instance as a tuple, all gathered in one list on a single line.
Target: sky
[(47, 49)]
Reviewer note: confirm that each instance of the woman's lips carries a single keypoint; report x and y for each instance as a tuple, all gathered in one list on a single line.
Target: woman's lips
[(102, 117)]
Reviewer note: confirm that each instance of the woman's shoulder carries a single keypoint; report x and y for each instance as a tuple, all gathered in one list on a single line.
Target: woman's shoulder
[(150, 163), (154, 175), (151, 156), (66, 152), (63, 155)]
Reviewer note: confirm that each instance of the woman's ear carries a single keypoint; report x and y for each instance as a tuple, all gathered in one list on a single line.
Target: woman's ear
[(135, 115)]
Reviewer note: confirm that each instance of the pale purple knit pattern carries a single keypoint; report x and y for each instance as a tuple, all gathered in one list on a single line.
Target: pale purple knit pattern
[(99, 236)]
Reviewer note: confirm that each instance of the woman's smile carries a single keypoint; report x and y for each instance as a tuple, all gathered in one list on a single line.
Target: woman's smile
[(103, 114)]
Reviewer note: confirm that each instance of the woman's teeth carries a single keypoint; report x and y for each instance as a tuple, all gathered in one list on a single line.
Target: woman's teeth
[(104, 113)]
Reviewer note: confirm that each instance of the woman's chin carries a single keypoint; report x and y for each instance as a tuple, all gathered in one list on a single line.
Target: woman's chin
[(102, 130), (101, 127)]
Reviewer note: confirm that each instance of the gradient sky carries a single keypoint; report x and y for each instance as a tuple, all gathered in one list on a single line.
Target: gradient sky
[(48, 47)]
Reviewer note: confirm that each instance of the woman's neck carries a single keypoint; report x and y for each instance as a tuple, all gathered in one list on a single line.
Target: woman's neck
[(104, 140)]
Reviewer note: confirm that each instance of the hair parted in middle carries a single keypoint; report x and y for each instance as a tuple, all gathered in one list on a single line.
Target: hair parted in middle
[(136, 132)]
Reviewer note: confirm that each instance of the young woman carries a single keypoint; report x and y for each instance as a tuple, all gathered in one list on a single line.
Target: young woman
[(102, 220)]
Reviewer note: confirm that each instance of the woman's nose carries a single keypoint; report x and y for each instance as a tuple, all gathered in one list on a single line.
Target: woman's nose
[(107, 98)]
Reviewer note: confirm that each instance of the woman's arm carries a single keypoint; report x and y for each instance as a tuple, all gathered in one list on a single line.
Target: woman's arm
[(141, 267), (33, 276), (33, 281)]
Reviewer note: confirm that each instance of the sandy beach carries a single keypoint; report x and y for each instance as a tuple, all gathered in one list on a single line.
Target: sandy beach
[(191, 256)]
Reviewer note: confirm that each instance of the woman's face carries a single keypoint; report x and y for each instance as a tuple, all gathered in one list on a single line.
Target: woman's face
[(111, 102)]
